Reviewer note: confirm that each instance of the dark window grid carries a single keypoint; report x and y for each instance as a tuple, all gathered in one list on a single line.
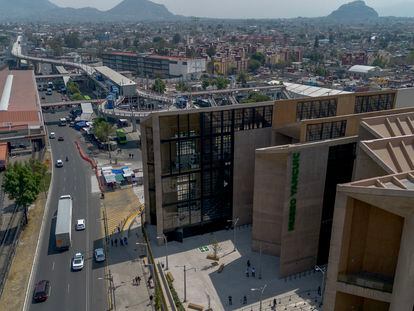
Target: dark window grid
[(314, 132), (326, 131)]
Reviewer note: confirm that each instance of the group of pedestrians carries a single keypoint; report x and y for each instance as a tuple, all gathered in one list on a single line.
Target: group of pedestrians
[(243, 300), (250, 270), (122, 241), (136, 280), (131, 155)]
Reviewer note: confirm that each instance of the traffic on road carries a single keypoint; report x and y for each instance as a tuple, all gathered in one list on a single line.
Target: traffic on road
[(69, 270)]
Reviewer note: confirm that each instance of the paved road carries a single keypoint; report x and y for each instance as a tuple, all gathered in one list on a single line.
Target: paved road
[(86, 289)]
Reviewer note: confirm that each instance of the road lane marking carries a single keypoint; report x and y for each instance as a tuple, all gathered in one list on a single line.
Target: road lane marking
[(53, 266), (68, 287), (94, 184)]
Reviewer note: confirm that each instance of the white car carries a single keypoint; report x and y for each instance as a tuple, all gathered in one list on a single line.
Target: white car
[(52, 135), (80, 224), (59, 163), (77, 262), (99, 255)]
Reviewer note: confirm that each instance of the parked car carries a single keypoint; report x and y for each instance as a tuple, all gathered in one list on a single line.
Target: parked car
[(99, 255), (59, 163), (77, 262), (52, 135), (61, 138), (41, 291), (80, 224)]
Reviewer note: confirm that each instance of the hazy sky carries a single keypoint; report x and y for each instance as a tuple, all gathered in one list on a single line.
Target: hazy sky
[(239, 8)]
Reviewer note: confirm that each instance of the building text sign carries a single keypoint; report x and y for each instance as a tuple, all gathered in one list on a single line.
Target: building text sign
[(293, 190)]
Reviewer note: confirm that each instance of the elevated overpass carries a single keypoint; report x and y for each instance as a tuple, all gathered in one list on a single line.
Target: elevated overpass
[(72, 103), (89, 70)]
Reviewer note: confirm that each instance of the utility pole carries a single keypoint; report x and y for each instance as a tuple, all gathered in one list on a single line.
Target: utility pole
[(185, 279), (234, 222), (166, 249), (323, 271), (261, 289), (260, 260)]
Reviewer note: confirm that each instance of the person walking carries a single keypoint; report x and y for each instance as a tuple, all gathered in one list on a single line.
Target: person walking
[(248, 263), (139, 280), (247, 272), (116, 242), (274, 303), (230, 300), (244, 300), (253, 272)]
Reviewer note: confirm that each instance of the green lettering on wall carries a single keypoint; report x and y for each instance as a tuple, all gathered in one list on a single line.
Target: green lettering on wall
[(293, 190)]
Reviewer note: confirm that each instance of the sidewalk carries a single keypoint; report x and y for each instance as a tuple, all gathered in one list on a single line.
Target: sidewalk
[(125, 263)]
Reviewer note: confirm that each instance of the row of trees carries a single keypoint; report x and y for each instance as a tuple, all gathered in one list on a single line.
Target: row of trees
[(23, 181), (74, 92)]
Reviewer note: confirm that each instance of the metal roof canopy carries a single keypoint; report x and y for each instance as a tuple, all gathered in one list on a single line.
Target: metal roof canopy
[(5, 97)]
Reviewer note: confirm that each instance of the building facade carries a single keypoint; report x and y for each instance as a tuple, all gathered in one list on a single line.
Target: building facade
[(153, 66), (371, 251), (196, 161)]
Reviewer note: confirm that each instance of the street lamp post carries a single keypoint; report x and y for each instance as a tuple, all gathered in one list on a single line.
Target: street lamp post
[(323, 271), (234, 222), (261, 289), (260, 260), (112, 288), (166, 249), (185, 279)]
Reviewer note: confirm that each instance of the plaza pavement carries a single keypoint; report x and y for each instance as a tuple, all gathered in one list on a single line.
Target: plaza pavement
[(207, 287)]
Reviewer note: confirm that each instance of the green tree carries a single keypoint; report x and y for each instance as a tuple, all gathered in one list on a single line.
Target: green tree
[(158, 39), (221, 83), (256, 97), (56, 46), (242, 78), (254, 65), (22, 183), (205, 84), (73, 87), (103, 131), (176, 38), (316, 43), (159, 86), (72, 40), (379, 62), (258, 57), (211, 51), (182, 87)]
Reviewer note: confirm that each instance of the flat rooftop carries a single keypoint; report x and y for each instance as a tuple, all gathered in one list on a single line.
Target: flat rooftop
[(19, 101), (114, 76)]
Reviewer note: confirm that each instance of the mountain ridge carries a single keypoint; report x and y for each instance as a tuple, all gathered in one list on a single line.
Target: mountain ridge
[(44, 10), (354, 11)]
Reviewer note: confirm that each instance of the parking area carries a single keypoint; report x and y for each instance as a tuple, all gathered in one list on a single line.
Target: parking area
[(207, 286)]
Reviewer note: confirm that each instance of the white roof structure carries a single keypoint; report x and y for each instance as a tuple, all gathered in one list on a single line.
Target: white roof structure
[(363, 69), (311, 91), (87, 111), (114, 76)]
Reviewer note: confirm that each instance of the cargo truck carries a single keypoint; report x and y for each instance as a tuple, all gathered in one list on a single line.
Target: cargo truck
[(64, 223)]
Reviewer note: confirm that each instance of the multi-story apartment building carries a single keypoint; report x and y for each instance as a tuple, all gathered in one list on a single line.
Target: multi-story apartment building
[(155, 65)]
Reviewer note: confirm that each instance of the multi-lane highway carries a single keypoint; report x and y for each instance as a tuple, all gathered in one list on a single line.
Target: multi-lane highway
[(85, 289)]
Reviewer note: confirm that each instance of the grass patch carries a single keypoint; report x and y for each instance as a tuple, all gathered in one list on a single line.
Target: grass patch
[(177, 300)]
